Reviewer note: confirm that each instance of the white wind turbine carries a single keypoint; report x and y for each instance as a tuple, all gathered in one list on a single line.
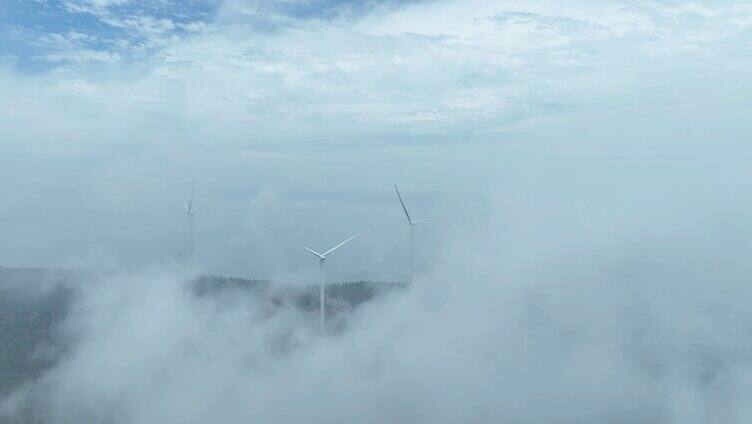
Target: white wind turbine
[(322, 259), (413, 224), (189, 214)]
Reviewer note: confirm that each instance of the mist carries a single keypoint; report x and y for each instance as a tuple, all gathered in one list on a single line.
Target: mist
[(558, 309), (581, 168)]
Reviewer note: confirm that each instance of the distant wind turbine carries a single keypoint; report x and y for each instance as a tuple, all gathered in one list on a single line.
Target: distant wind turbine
[(413, 224), (322, 259), (189, 215)]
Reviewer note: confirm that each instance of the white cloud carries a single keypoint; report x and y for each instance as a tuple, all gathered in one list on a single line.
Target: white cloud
[(424, 68), (384, 64)]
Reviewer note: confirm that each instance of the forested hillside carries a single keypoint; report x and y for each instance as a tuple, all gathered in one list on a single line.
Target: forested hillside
[(34, 303)]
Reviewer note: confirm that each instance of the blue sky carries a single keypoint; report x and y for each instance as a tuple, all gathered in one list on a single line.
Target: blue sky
[(39, 34), (109, 107)]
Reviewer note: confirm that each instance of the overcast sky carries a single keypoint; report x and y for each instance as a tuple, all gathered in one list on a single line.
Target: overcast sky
[(301, 115)]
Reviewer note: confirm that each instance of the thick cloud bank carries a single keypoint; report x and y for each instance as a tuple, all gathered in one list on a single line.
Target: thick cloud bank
[(557, 313)]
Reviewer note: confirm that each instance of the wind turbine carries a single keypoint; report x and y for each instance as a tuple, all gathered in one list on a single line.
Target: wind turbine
[(413, 224), (322, 259), (189, 214)]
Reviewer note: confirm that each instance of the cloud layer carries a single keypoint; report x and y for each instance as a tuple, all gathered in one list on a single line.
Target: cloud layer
[(562, 307)]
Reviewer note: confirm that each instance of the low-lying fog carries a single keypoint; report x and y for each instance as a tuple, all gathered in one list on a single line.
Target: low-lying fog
[(560, 307)]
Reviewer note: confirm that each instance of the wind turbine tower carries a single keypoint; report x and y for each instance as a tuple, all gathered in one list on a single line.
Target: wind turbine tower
[(413, 224), (189, 215), (322, 259)]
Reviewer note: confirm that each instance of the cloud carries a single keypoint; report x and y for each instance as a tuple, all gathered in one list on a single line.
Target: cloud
[(74, 47), (283, 13), (500, 65), (415, 92)]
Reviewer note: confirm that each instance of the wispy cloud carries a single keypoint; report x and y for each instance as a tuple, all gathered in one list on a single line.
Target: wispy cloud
[(500, 63)]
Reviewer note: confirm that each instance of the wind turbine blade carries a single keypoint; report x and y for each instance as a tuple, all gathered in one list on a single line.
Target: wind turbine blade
[(320, 256), (403, 205), (343, 243), (193, 190)]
